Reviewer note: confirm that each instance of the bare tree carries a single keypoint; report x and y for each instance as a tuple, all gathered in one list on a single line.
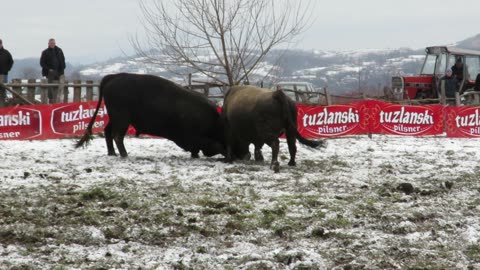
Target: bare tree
[(236, 35)]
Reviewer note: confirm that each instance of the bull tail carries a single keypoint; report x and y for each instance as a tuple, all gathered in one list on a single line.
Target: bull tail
[(290, 114), (87, 137)]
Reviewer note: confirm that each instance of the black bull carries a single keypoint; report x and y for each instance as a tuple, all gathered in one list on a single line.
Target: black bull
[(260, 116), (157, 106)]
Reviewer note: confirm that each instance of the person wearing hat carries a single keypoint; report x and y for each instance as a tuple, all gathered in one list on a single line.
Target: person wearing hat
[(448, 83), (6, 63), (460, 73), (457, 69)]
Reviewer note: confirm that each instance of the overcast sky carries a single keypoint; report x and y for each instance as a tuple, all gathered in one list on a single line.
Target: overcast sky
[(90, 31)]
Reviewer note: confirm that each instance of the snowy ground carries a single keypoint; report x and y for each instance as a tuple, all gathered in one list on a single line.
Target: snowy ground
[(382, 203)]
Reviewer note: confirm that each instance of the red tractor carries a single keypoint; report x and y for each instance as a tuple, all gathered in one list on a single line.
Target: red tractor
[(437, 61)]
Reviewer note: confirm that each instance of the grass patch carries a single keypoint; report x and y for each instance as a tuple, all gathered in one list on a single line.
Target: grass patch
[(98, 193), (271, 215), (337, 223), (473, 252)]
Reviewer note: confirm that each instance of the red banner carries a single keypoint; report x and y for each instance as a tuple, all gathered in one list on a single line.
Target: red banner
[(49, 121), (332, 121), (386, 118), (71, 119), (21, 123), (463, 122)]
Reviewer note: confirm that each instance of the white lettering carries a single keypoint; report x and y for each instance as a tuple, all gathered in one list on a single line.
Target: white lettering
[(9, 135), (80, 126), (331, 130), (402, 128), (81, 114), (471, 120), (12, 120), (331, 118), (475, 131), (403, 117)]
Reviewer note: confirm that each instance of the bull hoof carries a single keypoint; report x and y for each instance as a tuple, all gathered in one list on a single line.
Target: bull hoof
[(292, 163), (276, 167), (195, 155), (112, 154)]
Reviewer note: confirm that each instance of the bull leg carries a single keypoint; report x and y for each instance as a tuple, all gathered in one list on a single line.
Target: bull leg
[(244, 152), (258, 152), (228, 157), (109, 139), (275, 145), (229, 143), (118, 138), (240, 150), (292, 147)]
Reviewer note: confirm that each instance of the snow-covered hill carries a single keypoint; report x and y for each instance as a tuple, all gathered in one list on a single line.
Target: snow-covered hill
[(335, 70)]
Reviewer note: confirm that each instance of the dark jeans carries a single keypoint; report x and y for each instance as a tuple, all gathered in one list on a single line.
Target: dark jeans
[(53, 91)]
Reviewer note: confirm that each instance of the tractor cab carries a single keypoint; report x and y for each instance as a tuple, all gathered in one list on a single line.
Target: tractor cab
[(438, 59)]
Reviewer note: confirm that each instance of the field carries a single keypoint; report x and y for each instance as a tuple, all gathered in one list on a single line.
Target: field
[(382, 203)]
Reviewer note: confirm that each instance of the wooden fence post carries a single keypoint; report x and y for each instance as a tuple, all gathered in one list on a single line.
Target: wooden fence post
[(17, 89), (44, 92), (443, 99), (77, 91), (90, 90), (31, 90), (61, 87), (65, 92), (476, 99), (327, 96), (364, 95)]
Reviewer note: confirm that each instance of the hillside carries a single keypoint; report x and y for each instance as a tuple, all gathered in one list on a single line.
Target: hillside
[(472, 43), (339, 71)]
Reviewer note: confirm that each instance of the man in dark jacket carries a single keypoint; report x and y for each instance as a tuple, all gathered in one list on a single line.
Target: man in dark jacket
[(6, 63), (449, 84), (457, 69), (53, 67)]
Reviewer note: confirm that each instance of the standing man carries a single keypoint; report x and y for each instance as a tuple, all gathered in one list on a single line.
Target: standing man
[(53, 67), (6, 63), (448, 84)]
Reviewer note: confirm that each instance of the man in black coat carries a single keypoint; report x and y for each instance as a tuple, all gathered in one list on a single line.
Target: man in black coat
[(6, 63), (449, 84), (457, 69), (53, 67)]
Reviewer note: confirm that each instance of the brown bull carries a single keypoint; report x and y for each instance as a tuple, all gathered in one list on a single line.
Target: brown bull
[(259, 116)]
